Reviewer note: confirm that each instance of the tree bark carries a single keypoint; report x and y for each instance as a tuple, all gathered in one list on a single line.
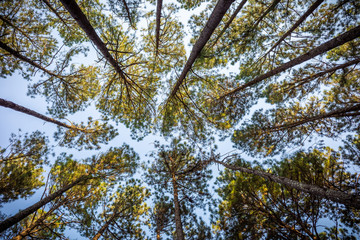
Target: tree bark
[(336, 113), (73, 8), (333, 43), (9, 222), (105, 226), (227, 25), (178, 223), (322, 192), (29, 61), (218, 13), (16, 107), (128, 12), (157, 30), (298, 22)]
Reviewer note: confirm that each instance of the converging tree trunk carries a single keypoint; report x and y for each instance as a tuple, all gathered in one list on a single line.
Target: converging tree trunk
[(16, 107), (73, 8), (105, 226), (128, 12), (178, 223), (322, 192), (218, 13), (158, 21), (333, 43), (9, 222)]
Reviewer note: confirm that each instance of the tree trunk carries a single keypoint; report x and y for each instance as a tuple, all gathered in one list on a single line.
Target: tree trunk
[(157, 30), (343, 112), (179, 227), (37, 223), (73, 8), (298, 22), (219, 11), (333, 43), (233, 16), (322, 192), (128, 12), (105, 226), (9, 222), (16, 107), (29, 61)]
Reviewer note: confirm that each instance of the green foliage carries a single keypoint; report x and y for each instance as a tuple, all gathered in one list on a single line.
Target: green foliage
[(253, 207), (21, 166), (88, 137), (179, 168)]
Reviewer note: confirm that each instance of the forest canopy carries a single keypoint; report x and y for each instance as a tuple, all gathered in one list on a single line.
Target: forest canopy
[(278, 80)]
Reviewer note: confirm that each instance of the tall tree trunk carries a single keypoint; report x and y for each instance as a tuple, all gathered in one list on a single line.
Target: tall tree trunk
[(73, 8), (218, 13), (128, 12), (322, 192), (342, 112), (178, 223), (29, 61), (38, 222), (16, 107), (228, 23), (105, 226), (9, 222), (298, 22), (333, 43), (157, 30)]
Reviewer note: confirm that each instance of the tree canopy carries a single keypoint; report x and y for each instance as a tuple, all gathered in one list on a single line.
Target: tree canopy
[(278, 80)]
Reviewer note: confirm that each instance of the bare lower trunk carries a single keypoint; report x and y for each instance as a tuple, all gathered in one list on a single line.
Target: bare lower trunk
[(322, 192), (178, 223), (157, 30), (218, 13), (9, 222), (16, 107), (333, 43), (73, 8), (128, 12), (104, 227)]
